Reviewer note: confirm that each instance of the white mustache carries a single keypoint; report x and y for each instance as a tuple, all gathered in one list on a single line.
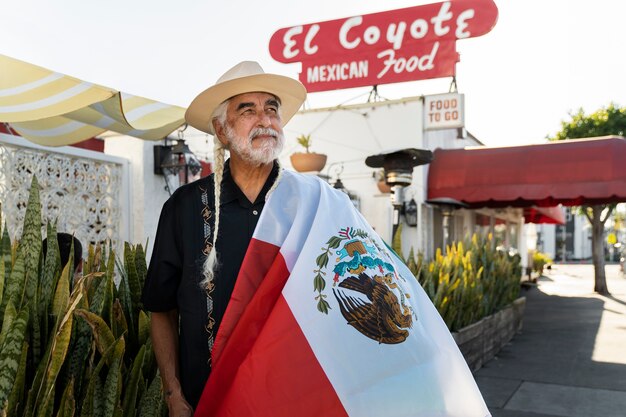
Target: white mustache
[(263, 131)]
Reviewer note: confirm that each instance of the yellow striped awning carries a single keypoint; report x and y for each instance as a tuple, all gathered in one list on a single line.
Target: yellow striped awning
[(54, 109)]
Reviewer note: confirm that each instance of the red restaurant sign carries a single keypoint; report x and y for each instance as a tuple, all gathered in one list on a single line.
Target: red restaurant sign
[(414, 43)]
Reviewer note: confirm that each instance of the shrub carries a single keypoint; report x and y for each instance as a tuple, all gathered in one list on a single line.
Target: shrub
[(540, 260), (468, 282), (73, 347)]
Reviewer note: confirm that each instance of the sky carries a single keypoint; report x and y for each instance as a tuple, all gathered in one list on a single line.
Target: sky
[(543, 59)]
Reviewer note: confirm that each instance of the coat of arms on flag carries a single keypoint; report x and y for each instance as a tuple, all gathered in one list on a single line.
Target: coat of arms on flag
[(371, 296)]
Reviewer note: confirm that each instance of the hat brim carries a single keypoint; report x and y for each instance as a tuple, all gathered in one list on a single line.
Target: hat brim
[(290, 92)]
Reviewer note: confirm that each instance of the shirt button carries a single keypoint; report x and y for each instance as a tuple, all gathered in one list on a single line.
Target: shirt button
[(255, 212)]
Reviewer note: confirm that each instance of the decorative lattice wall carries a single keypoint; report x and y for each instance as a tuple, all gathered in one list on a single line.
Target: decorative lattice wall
[(82, 194)]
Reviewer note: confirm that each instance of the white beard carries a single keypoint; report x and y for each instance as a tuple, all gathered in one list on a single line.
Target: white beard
[(265, 154)]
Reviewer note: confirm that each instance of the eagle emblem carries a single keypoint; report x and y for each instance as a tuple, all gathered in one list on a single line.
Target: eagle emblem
[(368, 291)]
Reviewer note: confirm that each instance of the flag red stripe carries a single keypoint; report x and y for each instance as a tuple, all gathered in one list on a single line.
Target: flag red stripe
[(252, 301), (261, 359), (281, 376), (261, 257)]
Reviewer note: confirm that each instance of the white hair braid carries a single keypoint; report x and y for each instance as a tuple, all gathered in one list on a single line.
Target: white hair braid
[(210, 263)]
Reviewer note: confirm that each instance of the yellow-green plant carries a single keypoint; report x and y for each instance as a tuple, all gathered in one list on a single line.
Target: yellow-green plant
[(305, 142), (469, 281), (73, 347), (540, 260)]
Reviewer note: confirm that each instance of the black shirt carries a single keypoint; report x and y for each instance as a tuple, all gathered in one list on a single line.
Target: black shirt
[(175, 271)]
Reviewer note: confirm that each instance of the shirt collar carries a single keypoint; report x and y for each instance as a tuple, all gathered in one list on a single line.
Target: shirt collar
[(231, 191)]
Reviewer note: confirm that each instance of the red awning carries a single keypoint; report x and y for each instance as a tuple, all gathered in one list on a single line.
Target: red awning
[(570, 172), (549, 215)]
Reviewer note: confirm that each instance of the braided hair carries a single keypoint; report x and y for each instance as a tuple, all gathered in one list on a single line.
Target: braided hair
[(211, 261)]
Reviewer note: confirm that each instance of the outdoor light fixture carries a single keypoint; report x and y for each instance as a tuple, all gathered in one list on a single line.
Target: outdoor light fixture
[(410, 213), (447, 205), (353, 197), (176, 163), (398, 165)]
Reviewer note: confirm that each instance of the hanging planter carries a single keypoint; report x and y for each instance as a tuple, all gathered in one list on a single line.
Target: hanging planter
[(307, 161)]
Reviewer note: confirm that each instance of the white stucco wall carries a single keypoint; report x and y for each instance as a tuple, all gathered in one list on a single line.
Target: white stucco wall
[(147, 190), (349, 134)]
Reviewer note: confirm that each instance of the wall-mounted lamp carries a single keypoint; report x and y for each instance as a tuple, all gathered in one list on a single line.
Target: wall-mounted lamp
[(410, 212), (353, 197), (176, 163)]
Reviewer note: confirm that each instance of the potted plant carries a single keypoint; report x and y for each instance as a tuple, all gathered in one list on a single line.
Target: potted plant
[(382, 185), (307, 161), (540, 260)]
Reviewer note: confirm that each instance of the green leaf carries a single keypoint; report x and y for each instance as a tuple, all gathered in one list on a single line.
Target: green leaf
[(93, 403), (11, 353), (322, 260), (113, 383), (5, 244), (132, 386), (318, 283), (62, 293), (35, 335), (36, 387), (49, 278), (9, 315), (101, 331), (144, 328), (60, 345), (396, 244), (130, 319), (323, 306), (78, 359), (30, 242), (15, 285), (67, 408), (141, 266), (2, 277), (98, 300), (149, 363), (119, 326), (132, 277), (80, 346), (15, 398), (150, 402), (48, 405), (334, 242)]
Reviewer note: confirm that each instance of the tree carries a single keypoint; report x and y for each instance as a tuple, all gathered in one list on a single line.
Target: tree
[(609, 120)]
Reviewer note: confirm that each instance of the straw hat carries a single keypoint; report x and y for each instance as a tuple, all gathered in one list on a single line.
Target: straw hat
[(245, 77)]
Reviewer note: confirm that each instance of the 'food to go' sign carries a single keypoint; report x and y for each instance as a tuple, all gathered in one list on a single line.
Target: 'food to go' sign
[(444, 111)]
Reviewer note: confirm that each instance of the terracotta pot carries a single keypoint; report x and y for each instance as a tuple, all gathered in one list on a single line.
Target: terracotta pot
[(307, 162), (383, 187)]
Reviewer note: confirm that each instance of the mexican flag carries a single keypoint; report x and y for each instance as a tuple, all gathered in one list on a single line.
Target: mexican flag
[(326, 321)]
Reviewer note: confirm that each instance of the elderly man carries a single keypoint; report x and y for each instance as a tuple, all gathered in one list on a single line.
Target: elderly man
[(200, 243)]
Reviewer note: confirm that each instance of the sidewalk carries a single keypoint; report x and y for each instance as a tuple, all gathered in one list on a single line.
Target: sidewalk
[(570, 357)]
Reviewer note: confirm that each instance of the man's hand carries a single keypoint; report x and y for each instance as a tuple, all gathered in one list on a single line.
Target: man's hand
[(177, 405), (164, 334)]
